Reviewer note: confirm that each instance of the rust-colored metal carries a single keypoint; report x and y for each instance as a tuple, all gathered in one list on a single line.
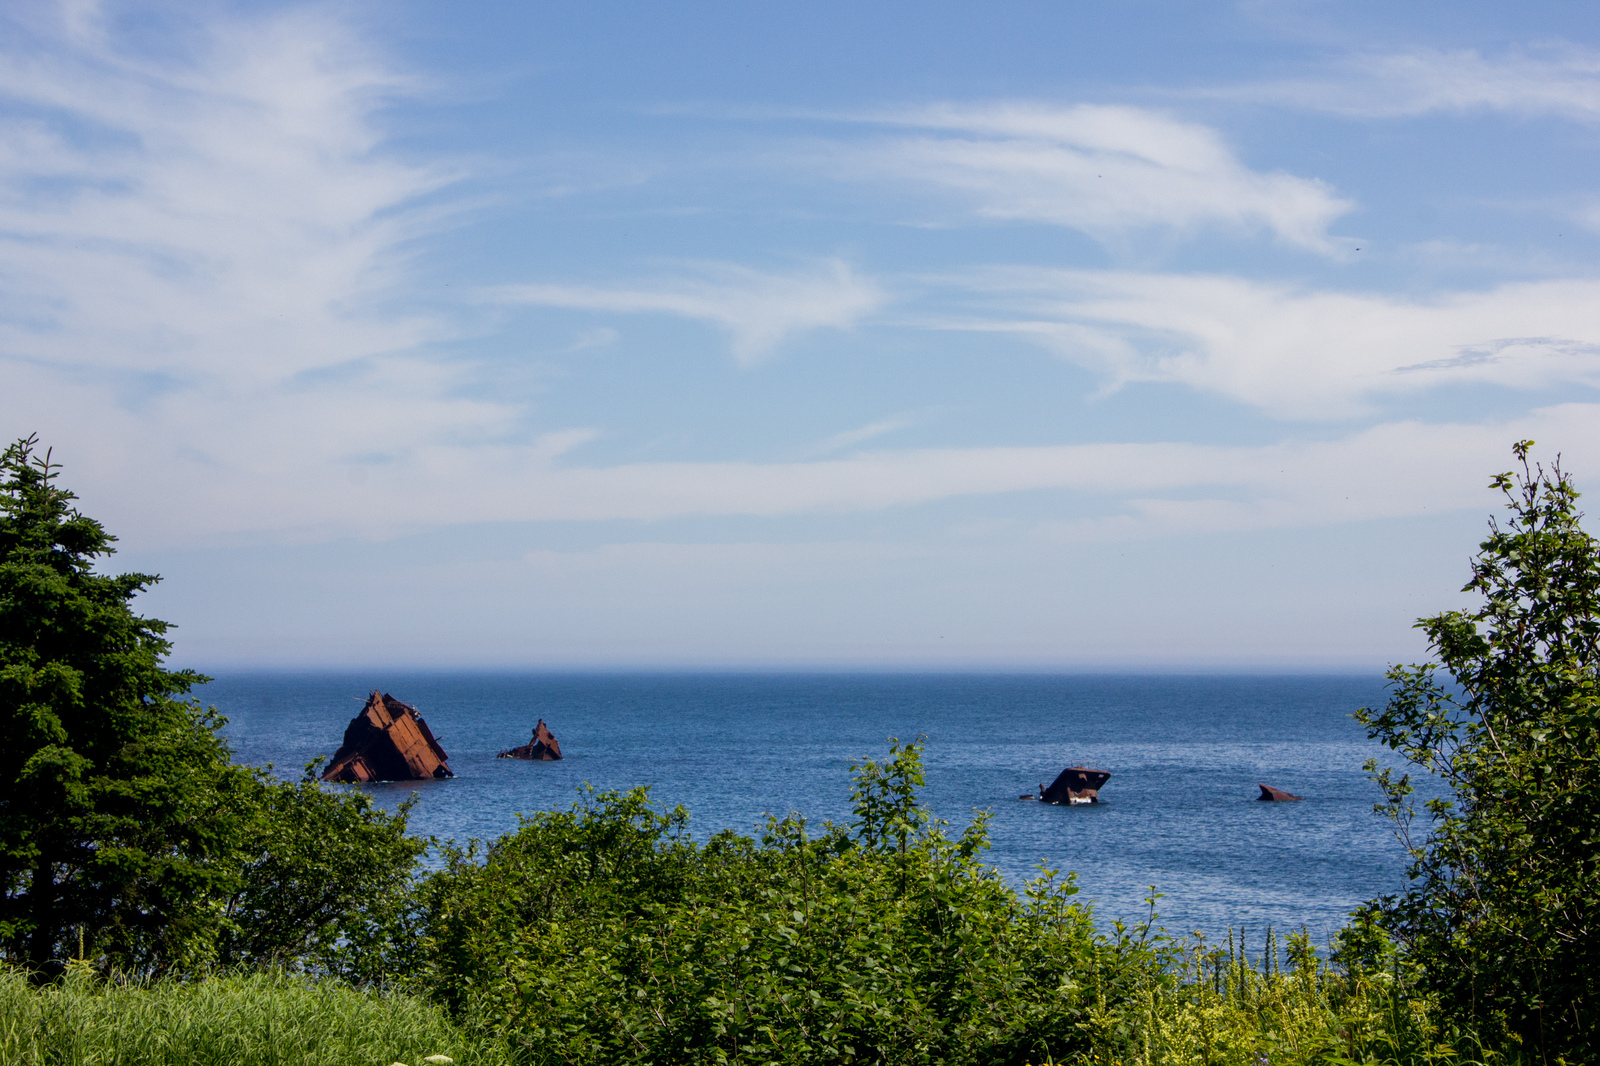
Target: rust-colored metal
[(542, 747), (1075, 785), (1275, 795), (387, 741)]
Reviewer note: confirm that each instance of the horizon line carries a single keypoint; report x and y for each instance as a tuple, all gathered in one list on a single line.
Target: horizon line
[(217, 671)]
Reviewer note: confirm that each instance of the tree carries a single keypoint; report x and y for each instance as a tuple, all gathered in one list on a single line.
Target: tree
[(1500, 913), (126, 831), (116, 795)]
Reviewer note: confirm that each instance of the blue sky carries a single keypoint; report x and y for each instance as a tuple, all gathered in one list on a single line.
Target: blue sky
[(954, 336)]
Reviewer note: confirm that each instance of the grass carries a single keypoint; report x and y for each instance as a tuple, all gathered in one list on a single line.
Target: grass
[(1221, 1008), (256, 1020), (1211, 1008)]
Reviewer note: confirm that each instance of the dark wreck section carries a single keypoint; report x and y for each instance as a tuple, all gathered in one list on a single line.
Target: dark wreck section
[(1075, 785), (387, 741), (543, 747)]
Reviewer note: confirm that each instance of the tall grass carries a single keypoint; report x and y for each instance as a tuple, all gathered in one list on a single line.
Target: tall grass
[(1208, 1008), (1221, 1007), (256, 1020)]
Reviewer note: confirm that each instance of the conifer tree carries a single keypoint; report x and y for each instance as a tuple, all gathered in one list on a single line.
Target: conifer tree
[(117, 796)]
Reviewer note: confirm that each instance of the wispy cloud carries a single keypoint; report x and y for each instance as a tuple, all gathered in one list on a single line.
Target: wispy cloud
[(199, 253), (1105, 490), (1295, 352), (1559, 80), (1401, 468), (220, 212), (1100, 169), (758, 310), (861, 434)]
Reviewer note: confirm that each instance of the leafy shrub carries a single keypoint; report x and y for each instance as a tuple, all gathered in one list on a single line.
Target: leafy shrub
[(317, 875), (1502, 910), (604, 934)]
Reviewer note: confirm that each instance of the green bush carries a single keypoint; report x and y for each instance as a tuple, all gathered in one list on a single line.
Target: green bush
[(603, 934), (316, 876), (1502, 914)]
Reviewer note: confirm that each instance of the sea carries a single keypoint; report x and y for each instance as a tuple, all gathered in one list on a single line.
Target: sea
[(1179, 817)]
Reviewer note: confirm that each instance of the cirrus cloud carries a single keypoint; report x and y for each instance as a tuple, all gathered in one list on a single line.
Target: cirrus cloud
[(759, 310), (1105, 170), (1291, 351), (1559, 79), (200, 253)]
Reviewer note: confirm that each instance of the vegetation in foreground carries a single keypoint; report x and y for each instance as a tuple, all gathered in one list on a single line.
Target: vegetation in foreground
[(1217, 1007), (264, 1019), (1501, 915), (137, 862), (600, 935)]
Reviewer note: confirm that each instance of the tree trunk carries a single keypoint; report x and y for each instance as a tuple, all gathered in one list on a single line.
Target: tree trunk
[(42, 904)]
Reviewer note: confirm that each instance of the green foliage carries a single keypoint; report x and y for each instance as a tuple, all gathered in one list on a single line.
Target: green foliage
[(604, 934), (1219, 1007), (884, 798), (1504, 897), (126, 833), (1225, 1007), (321, 876), (260, 1020), (101, 825)]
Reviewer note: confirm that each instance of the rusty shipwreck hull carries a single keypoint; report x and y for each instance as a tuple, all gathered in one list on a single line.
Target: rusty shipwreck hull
[(542, 748), (1075, 785), (388, 741)]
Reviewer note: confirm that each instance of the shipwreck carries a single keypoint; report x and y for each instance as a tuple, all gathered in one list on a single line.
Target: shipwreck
[(387, 741), (543, 747), (1074, 786)]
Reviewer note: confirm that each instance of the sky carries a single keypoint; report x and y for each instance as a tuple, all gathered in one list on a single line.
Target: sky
[(1130, 335)]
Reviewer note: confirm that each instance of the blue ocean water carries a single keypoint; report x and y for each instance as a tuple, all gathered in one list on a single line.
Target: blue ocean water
[(1180, 811)]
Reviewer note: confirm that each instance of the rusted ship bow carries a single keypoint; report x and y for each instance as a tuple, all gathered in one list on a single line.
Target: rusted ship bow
[(387, 741), (542, 748), (1074, 786)]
